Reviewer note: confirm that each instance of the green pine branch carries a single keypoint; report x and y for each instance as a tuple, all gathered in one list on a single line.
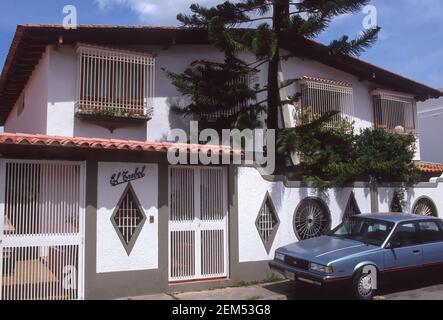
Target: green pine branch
[(354, 47)]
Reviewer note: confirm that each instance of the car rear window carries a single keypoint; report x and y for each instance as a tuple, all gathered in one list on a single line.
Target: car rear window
[(406, 234), (430, 232)]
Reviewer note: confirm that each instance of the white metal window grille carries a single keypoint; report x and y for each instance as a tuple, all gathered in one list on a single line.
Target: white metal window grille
[(128, 218), (182, 254), (249, 80), (182, 194), (352, 208), (395, 112), (211, 184), (115, 82), (213, 252), (40, 273), (42, 199), (41, 230), (198, 246), (321, 96), (267, 222)]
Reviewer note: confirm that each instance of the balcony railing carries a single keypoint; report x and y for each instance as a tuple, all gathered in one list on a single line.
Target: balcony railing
[(319, 96), (394, 112), (249, 80), (115, 83)]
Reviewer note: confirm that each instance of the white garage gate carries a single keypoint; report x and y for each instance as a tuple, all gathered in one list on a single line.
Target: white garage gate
[(41, 230), (198, 224)]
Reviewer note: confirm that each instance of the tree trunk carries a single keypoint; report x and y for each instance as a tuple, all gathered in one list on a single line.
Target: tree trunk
[(280, 22)]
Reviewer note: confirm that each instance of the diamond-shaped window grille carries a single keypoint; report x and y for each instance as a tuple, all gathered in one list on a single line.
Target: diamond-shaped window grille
[(396, 206), (128, 218), (352, 208), (267, 223)]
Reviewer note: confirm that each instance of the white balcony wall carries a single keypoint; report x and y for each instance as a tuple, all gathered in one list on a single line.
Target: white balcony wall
[(33, 118), (430, 120), (63, 96), (51, 93), (363, 107)]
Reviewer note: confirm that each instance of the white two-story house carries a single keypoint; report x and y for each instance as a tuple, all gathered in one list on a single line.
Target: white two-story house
[(86, 189)]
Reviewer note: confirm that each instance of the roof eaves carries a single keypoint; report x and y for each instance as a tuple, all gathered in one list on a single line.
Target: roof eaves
[(10, 56)]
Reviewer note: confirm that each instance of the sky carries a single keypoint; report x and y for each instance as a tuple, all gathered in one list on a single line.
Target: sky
[(411, 40)]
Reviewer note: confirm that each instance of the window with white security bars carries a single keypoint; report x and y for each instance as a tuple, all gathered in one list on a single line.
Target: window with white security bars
[(319, 96), (249, 80), (115, 82), (128, 218), (267, 222), (394, 112)]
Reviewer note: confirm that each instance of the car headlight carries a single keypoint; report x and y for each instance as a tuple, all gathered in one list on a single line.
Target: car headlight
[(320, 268), (279, 256)]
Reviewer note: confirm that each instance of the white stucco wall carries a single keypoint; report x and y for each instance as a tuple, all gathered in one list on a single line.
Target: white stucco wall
[(295, 68), (430, 121), (63, 96), (51, 94), (61, 87), (111, 254), (62, 91), (252, 191), (177, 59), (33, 118), (430, 190)]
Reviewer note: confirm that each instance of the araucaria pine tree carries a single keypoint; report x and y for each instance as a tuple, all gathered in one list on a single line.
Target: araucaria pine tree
[(274, 22), (222, 96)]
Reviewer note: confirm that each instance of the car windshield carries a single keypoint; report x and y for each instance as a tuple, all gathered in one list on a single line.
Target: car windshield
[(368, 231)]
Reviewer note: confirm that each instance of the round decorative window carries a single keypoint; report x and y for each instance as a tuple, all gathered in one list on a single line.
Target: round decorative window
[(312, 219), (425, 207)]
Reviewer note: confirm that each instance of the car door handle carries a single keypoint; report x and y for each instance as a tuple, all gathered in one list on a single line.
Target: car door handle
[(416, 251)]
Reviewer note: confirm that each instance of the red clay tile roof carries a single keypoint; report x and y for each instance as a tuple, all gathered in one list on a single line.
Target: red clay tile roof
[(427, 167), (109, 144), (145, 146)]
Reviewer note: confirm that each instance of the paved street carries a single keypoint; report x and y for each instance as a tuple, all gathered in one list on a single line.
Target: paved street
[(285, 290)]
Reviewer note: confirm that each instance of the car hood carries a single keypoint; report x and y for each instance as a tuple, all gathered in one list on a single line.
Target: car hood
[(326, 249)]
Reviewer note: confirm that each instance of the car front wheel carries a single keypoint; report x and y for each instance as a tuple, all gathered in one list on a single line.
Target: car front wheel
[(362, 286)]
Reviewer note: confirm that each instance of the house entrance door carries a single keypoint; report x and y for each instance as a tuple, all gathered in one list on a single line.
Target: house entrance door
[(41, 230), (198, 224)]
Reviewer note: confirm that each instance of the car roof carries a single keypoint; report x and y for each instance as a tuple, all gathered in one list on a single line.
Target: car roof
[(397, 217)]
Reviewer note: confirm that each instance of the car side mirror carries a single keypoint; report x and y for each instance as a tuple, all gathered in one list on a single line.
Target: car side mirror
[(393, 244)]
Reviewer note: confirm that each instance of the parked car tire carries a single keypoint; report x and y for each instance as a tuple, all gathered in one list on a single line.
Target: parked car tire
[(361, 286)]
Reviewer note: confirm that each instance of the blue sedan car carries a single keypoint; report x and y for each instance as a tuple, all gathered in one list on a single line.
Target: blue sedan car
[(364, 251)]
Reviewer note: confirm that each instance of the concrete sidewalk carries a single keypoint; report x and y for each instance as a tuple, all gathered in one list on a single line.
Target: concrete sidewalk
[(253, 292), (282, 290), (285, 290)]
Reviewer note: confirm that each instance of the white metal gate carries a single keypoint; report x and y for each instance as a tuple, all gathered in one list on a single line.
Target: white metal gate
[(41, 230), (198, 224)]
